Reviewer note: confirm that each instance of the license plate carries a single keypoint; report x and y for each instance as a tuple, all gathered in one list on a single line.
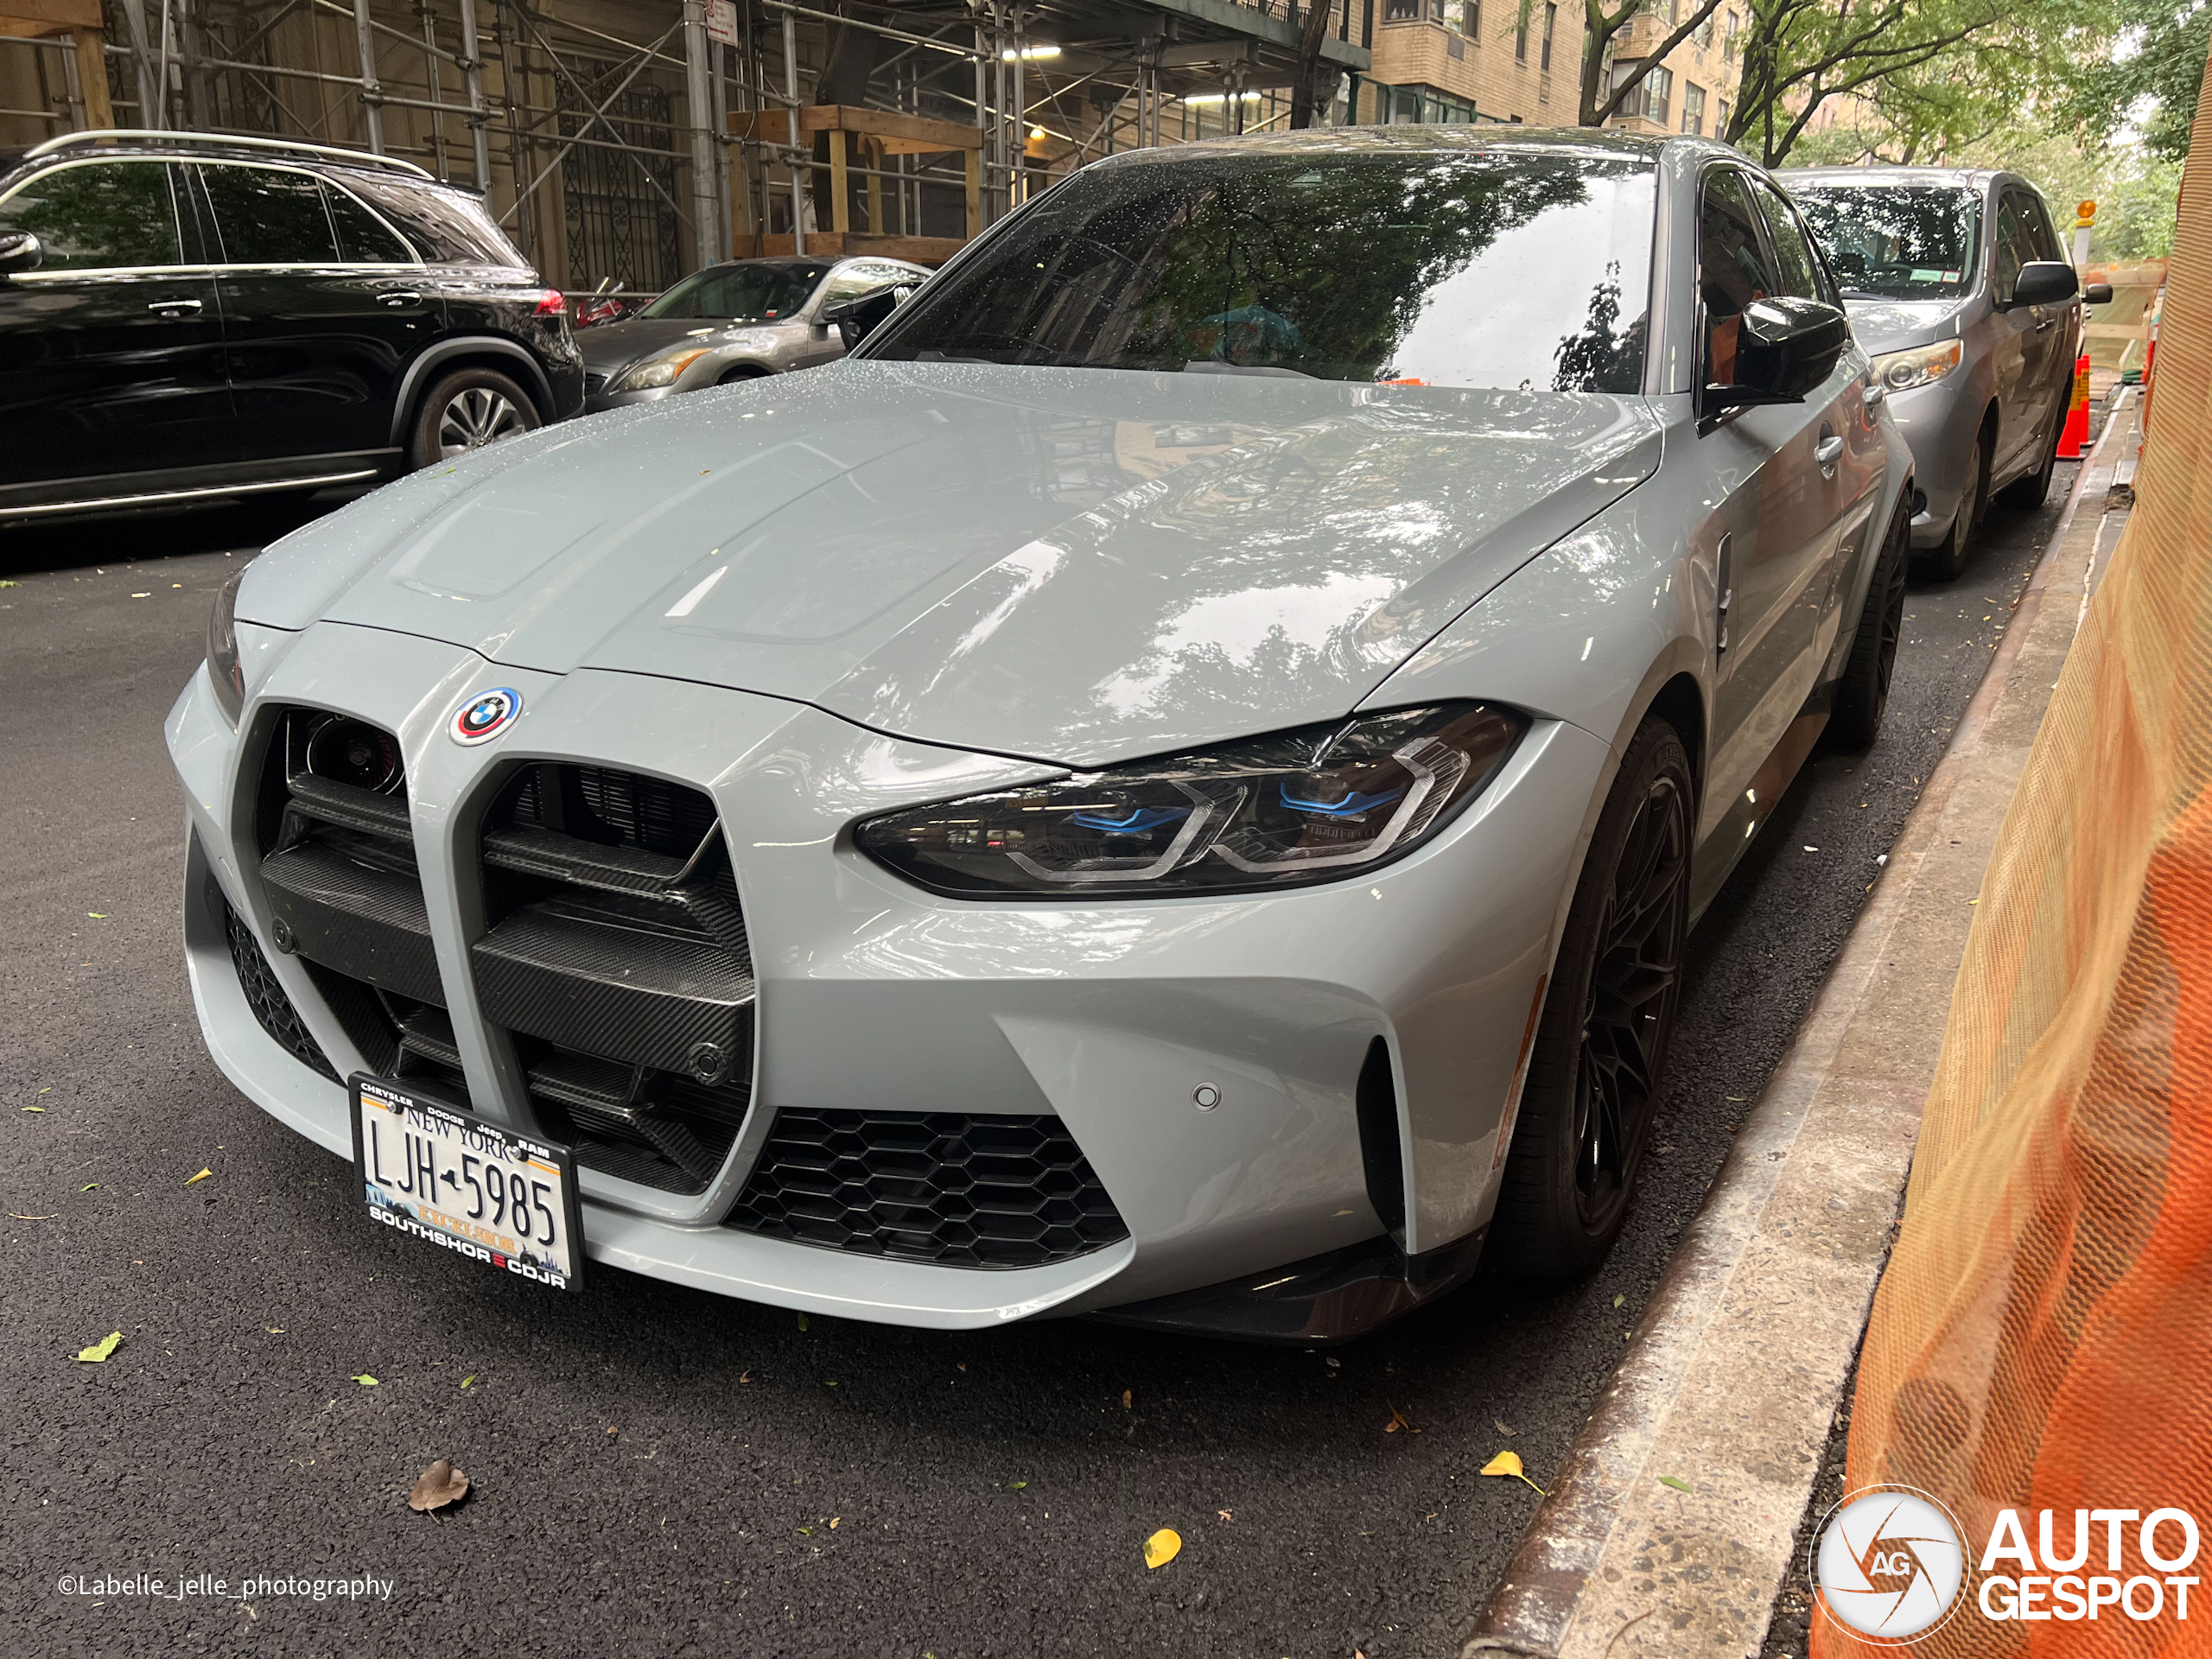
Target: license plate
[(443, 1174)]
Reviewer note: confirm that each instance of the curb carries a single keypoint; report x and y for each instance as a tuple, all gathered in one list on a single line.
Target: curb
[(1732, 1382)]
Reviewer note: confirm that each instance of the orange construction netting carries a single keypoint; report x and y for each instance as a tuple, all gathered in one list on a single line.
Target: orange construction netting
[(2043, 1338)]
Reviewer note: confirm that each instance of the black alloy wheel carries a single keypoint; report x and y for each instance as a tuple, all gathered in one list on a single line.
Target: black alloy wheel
[(1596, 1067)]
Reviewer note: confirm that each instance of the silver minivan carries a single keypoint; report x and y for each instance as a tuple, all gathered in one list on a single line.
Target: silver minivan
[(1958, 287)]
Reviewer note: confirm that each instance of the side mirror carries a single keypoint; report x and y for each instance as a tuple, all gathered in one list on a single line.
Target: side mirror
[(858, 318), (19, 250), (1785, 346), (2045, 281), (2097, 294)]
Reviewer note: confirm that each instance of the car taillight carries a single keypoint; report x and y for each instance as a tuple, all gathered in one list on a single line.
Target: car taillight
[(551, 303)]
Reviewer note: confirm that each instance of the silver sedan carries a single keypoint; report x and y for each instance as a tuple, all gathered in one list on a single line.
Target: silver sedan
[(1175, 782), (733, 321)]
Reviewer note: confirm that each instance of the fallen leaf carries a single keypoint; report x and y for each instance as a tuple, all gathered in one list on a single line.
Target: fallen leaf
[(960, 1364), (1502, 1427), (1162, 1548), (201, 1176), (1226, 1514), (806, 1532), (88, 1186), (1617, 1301), (612, 1427), (436, 1486), (745, 1376), (96, 915), (1398, 1420), (12, 1214), (365, 1380), (98, 1353), (801, 1321), (33, 1108), (1508, 1464), (834, 1520), (1016, 1485), (1675, 1482), (1127, 1395), (469, 1381)]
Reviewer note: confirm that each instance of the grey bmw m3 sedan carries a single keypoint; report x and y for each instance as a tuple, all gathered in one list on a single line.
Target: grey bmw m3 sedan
[(1174, 783)]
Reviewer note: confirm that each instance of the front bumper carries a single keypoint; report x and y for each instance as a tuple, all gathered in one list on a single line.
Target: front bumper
[(873, 994), (1939, 423)]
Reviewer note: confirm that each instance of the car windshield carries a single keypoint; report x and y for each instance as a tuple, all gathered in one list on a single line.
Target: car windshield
[(739, 293), (1895, 241), (1509, 267)]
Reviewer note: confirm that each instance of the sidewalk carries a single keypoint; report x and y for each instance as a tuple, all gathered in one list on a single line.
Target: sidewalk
[(1672, 1526)]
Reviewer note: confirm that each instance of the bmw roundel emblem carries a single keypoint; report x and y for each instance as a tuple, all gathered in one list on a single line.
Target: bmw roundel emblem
[(485, 715)]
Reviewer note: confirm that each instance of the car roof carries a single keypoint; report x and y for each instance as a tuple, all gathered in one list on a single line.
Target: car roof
[(1484, 136), (1882, 173)]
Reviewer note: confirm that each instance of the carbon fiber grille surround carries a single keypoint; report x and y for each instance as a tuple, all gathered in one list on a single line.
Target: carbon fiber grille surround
[(266, 997), (615, 956), (942, 1187)]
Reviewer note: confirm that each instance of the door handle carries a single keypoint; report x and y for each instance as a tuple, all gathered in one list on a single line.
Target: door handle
[(397, 300), (1826, 452), (174, 308), (2043, 323)]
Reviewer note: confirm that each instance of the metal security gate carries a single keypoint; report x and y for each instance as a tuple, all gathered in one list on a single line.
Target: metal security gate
[(620, 204)]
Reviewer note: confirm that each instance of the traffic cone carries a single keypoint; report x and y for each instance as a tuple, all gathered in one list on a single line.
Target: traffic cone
[(2077, 413)]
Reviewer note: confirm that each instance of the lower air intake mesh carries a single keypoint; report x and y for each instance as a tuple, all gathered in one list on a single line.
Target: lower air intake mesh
[(942, 1187), (267, 999)]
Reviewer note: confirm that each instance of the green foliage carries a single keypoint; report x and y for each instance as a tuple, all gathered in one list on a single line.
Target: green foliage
[(2151, 78)]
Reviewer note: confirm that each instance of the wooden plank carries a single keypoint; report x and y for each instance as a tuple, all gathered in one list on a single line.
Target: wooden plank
[(38, 18), (975, 159), (841, 192), (904, 135), (768, 126), (92, 75), (872, 150)]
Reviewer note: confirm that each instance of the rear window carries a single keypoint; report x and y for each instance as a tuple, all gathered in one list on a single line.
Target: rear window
[(450, 228), (1896, 242)]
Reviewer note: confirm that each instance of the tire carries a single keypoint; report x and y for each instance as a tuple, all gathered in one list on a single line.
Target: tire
[(2026, 494), (466, 410), (1863, 691), (1602, 1041), (742, 372), (1947, 560)]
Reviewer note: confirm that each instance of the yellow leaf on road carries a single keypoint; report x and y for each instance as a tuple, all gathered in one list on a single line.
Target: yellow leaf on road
[(1508, 1464), (201, 1176), (1162, 1548), (98, 1353)]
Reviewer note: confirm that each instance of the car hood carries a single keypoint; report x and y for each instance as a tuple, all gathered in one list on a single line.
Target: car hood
[(611, 344), (1082, 566), (1898, 325)]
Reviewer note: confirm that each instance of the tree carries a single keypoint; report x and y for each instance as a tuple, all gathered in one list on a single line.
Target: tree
[(2158, 58), (1599, 102), (1937, 68)]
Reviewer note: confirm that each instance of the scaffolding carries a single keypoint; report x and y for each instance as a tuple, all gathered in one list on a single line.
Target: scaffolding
[(623, 143)]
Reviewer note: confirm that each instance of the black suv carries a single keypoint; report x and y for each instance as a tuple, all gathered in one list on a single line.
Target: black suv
[(185, 316)]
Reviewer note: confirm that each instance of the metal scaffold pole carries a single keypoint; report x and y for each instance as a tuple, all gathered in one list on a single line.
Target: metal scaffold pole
[(472, 69), (699, 100), (791, 101), (372, 92)]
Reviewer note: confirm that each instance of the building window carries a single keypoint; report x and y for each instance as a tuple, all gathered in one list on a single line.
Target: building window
[(1658, 87), (1402, 11), (1551, 24), (1720, 123), (1470, 20), (1728, 38), (1521, 38), (1693, 107), (1703, 36)]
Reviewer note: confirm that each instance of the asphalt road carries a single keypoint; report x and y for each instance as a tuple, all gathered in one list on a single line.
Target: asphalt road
[(661, 1472)]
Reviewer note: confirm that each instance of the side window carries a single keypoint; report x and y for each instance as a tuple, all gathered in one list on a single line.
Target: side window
[(270, 216), (1793, 254), (1731, 270), (98, 217), (363, 238), (2012, 248), (2048, 246)]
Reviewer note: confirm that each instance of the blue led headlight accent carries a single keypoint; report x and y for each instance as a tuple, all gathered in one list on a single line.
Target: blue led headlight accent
[(1353, 803), (1139, 819)]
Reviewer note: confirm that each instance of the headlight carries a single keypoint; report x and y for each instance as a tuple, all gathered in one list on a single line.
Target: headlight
[(1920, 366), (223, 649), (661, 372), (1317, 805)]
